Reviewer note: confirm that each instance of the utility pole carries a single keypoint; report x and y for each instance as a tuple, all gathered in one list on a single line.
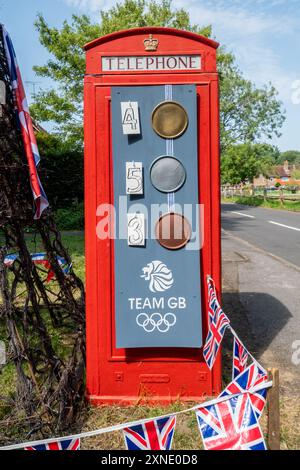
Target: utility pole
[(34, 85)]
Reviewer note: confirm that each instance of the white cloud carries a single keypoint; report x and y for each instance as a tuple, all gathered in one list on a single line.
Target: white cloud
[(245, 18), (90, 5), (250, 29)]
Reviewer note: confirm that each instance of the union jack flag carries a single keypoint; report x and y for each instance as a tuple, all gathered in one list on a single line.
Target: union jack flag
[(218, 322), (67, 444), (152, 435), (230, 425), (240, 358), (252, 377), (25, 122)]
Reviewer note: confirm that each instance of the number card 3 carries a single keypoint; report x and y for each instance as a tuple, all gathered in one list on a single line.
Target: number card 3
[(134, 178), (136, 229)]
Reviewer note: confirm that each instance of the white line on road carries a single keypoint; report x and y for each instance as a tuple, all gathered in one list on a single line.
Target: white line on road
[(285, 226), (242, 213)]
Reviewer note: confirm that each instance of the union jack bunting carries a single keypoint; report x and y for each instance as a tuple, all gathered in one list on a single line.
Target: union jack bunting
[(152, 435), (218, 322), (9, 260), (25, 123), (240, 357), (252, 377), (230, 425), (213, 303), (67, 444), (41, 259)]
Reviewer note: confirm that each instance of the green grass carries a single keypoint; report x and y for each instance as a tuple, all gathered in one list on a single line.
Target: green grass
[(186, 435), (270, 203)]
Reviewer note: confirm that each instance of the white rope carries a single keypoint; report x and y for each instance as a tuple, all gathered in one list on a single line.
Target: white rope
[(120, 427)]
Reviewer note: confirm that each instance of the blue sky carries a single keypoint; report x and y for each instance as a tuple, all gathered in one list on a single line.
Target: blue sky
[(264, 36)]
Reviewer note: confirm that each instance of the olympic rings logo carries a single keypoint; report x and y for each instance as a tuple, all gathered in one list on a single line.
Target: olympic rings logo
[(156, 321)]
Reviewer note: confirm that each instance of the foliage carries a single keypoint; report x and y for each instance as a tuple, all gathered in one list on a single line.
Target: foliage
[(292, 156), (62, 171), (296, 174), (270, 203), (70, 218), (248, 114), (242, 163)]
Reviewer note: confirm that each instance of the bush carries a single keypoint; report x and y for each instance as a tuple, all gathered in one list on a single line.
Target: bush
[(71, 218)]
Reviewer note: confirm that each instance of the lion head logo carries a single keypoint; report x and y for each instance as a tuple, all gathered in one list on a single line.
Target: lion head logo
[(160, 277)]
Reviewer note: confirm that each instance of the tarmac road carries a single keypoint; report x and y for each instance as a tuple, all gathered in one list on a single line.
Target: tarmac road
[(261, 279), (275, 231)]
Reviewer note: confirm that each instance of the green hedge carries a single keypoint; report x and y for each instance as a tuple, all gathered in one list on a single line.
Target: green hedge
[(257, 201), (71, 218)]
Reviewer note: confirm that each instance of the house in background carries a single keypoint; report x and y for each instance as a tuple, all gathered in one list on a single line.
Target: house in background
[(282, 174)]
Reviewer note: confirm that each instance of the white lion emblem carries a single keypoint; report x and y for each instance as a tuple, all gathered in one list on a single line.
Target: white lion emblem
[(159, 275)]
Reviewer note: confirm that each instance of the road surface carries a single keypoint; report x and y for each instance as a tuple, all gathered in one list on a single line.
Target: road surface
[(275, 231)]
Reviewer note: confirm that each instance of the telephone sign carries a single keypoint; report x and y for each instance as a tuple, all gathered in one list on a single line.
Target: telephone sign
[(152, 214)]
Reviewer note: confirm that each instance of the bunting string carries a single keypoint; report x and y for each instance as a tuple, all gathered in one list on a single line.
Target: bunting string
[(229, 422), (121, 427)]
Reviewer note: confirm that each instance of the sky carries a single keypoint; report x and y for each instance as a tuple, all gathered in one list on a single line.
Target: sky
[(263, 35)]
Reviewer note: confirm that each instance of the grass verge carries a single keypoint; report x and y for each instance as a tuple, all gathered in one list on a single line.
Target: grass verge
[(270, 203)]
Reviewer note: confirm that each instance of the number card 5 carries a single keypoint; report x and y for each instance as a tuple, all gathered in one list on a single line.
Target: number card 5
[(134, 178), (136, 229)]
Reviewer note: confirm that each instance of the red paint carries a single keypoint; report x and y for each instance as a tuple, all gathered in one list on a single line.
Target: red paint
[(153, 375)]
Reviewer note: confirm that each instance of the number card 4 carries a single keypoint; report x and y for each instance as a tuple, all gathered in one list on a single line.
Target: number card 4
[(134, 178), (136, 229), (130, 118)]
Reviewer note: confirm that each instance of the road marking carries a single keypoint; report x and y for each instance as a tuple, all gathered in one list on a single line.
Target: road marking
[(244, 215), (285, 226)]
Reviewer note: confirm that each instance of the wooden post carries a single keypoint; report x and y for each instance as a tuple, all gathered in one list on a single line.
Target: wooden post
[(274, 411)]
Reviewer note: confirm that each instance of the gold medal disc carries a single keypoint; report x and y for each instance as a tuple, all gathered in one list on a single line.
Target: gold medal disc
[(169, 119)]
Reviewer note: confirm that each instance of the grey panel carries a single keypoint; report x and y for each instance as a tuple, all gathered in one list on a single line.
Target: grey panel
[(157, 291)]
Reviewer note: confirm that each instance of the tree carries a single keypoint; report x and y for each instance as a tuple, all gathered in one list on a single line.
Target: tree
[(242, 163), (292, 156), (61, 171), (296, 174), (248, 114)]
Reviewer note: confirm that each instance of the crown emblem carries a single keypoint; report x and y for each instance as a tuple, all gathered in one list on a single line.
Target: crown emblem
[(150, 43)]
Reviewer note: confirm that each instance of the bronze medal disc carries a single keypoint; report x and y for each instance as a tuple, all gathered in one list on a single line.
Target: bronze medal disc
[(173, 231), (169, 119)]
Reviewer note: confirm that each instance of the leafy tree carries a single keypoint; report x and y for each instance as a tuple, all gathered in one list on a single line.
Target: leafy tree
[(248, 114), (296, 174), (241, 163), (292, 156), (61, 171)]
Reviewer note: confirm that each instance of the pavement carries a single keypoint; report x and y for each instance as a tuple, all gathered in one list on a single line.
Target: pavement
[(261, 280)]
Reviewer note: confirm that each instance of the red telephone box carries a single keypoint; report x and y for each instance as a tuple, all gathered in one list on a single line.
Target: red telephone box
[(138, 71)]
